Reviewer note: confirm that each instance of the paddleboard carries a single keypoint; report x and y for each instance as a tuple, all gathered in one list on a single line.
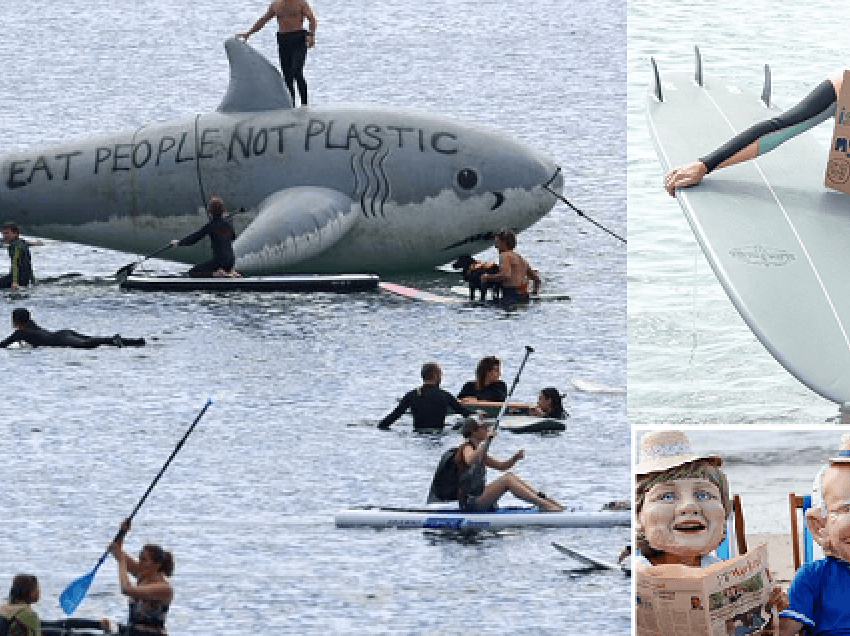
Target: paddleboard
[(415, 294), (777, 239), (462, 290), (531, 424), (588, 561), (449, 517), (283, 283)]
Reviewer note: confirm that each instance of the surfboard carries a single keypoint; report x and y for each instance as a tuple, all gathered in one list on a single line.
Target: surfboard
[(415, 294), (282, 283), (449, 517), (777, 239), (462, 290), (588, 561)]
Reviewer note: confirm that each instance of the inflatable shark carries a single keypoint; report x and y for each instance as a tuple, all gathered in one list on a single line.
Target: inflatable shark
[(338, 189)]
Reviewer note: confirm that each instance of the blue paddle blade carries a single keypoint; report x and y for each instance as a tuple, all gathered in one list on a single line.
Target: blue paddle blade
[(74, 594)]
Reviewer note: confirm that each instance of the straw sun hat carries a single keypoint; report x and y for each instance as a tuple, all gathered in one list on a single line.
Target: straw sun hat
[(663, 450)]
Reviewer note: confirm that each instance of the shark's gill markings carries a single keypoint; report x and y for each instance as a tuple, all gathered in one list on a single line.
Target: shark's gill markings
[(371, 184)]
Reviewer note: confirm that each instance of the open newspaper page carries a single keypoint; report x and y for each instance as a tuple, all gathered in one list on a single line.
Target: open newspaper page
[(726, 599)]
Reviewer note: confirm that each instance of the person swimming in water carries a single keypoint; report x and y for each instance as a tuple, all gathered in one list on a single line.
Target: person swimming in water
[(27, 331), (429, 404), (222, 235)]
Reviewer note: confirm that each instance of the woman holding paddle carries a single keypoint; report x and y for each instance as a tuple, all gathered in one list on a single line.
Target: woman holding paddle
[(152, 593), (470, 459), (762, 137)]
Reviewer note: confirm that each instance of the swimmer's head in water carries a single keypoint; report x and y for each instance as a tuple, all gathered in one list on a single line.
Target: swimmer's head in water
[(431, 373), (20, 317)]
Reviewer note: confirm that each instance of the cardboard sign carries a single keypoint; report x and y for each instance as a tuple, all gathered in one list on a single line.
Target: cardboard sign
[(838, 165)]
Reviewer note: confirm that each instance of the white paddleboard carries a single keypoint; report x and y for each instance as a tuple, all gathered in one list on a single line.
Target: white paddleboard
[(587, 561), (777, 239)]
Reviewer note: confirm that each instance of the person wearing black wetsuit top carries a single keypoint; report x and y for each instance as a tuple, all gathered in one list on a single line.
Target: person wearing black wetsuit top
[(222, 235), (487, 387), (27, 331), (817, 106), (20, 273), (429, 404)]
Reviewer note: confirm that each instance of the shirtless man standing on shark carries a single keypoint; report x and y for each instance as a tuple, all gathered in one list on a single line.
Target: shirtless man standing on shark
[(292, 40)]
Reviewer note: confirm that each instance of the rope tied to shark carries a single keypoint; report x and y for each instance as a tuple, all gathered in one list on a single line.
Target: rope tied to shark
[(563, 199)]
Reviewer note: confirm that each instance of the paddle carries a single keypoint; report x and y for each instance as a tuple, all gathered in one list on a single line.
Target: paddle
[(125, 271), (76, 591), (528, 352)]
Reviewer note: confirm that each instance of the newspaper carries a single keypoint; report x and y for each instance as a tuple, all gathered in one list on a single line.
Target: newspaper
[(727, 598)]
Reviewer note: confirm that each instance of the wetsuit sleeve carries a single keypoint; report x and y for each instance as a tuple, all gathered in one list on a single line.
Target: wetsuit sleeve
[(397, 411), (194, 237), (17, 336), (816, 107), (456, 406)]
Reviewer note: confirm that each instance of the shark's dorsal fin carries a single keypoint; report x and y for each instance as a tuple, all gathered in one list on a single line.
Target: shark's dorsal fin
[(255, 85)]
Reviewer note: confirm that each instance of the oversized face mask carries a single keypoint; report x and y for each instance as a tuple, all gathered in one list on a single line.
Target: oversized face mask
[(683, 517), (833, 532)]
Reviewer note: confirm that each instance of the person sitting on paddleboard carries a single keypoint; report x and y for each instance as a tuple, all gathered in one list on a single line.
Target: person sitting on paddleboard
[(549, 404), (471, 458), (762, 137), (487, 387), (27, 331), (429, 404), (222, 235), (18, 614), (152, 593), (514, 271)]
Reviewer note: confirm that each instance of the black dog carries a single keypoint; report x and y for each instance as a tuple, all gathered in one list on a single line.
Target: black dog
[(472, 271)]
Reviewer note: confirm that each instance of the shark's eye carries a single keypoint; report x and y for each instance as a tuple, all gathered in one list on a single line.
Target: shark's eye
[(467, 179)]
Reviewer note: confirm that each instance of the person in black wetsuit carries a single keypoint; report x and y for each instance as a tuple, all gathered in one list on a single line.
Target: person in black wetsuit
[(429, 404), (20, 273), (817, 106), (487, 387), (27, 331), (222, 235)]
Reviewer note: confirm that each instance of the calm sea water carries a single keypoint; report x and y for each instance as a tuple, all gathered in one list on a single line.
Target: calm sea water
[(691, 357), (763, 466), (299, 381)]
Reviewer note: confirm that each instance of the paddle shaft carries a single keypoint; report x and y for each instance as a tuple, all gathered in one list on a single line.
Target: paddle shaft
[(128, 269), (121, 533), (528, 352)]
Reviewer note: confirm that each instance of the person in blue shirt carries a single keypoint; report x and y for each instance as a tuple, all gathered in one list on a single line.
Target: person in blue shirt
[(819, 595)]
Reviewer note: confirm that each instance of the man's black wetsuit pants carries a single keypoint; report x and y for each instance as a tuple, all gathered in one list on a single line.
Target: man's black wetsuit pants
[(292, 48)]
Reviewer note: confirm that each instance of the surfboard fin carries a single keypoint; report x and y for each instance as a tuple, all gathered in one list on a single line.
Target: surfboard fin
[(697, 66), (657, 89), (765, 92)]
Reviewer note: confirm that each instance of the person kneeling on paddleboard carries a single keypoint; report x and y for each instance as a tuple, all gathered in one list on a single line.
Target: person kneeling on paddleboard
[(222, 235), (471, 457), (429, 404), (762, 137), (27, 331), (152, 594)]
